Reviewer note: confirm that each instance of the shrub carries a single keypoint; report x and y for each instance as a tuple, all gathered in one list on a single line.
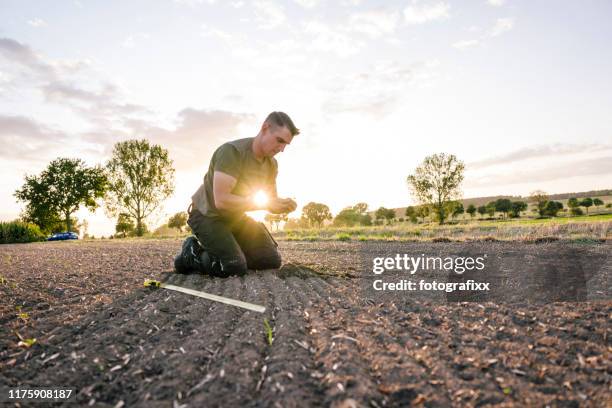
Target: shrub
[(343, 237), (19, 232), (576, 211)]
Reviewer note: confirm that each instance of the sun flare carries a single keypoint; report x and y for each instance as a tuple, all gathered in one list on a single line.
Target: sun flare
[(260, 198)]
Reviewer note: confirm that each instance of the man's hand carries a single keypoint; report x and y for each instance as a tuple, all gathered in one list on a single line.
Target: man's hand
[(281, 205)]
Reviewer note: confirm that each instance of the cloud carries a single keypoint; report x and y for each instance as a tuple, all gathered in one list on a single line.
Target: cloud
[(23, 55), (601, 166), (496, 3), (502, 25), (23, 138), (268, 14), (102, 107), (420, 13), (327, 39), (374, 23), (196, 135), (378, 91), (462, 45), (37, 22), (535, 152)]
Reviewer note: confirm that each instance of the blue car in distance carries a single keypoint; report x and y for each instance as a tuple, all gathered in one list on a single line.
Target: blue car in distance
[(62, 236)]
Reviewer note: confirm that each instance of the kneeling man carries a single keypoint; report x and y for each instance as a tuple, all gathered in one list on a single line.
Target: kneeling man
[(227, 241)]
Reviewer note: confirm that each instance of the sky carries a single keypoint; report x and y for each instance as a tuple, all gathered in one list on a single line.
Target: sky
[(520, 91)]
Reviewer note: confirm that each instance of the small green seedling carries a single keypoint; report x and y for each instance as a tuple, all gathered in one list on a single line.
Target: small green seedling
[(23, 316), (27, 343), (268, 332), (150, 283), (507, 390), (3, 280)]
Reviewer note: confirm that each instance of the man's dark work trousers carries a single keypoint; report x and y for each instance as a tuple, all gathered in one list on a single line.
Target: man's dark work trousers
[(238, 244)]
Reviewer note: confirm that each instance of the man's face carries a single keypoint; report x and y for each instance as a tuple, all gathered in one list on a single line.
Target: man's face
[(275, 139)]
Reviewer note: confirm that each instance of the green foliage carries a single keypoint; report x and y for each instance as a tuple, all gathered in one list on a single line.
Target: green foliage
[(316, 213), (576, 211), (482, 210), (437, 181), (179, 220), (365, 220), (597, 202), (19, 232), (125, 225), (343, 237), (385, 214), (517, 208), (503, 205), (552, 208), (586, 203), (490, 209), (540, 198), (347, 218), (456, 208), (59, 191), (573, 203), (140, 177), (471, 210)]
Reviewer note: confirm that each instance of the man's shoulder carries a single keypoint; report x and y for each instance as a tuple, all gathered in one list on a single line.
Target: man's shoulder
[(241, 145)]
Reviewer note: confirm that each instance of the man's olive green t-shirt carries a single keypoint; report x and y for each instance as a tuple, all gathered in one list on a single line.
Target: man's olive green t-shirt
[(237, 160)]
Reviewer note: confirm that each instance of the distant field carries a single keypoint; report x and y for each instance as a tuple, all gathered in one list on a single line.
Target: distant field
[(595, 227)]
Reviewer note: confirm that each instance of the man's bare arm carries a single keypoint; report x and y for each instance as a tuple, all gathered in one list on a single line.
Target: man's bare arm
[(223, 184)]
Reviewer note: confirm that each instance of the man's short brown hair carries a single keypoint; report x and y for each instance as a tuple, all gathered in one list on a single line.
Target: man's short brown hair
[(282, 119)]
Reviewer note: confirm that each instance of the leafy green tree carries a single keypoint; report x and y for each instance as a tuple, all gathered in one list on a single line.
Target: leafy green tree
[(437, 181), (411, 213), (540, 198), (482, 210), (490, 207), (597, 202), (60, 190), (503, 205), (457, 209), (141, 177), (552, 208), (348, 217), (365, 220), (517, 208), (573, 203), (125, 225), (422, 211), (316, 213), (586, 203), (385, 214), (178, 221), (471, 210)]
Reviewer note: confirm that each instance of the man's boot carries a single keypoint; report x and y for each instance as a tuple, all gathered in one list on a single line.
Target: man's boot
[(189, 259)]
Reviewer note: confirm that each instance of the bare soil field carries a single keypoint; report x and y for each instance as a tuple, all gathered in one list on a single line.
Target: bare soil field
[(541, 337)]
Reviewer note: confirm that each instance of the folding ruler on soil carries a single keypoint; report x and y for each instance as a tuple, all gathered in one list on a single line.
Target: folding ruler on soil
[(249, 306)]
